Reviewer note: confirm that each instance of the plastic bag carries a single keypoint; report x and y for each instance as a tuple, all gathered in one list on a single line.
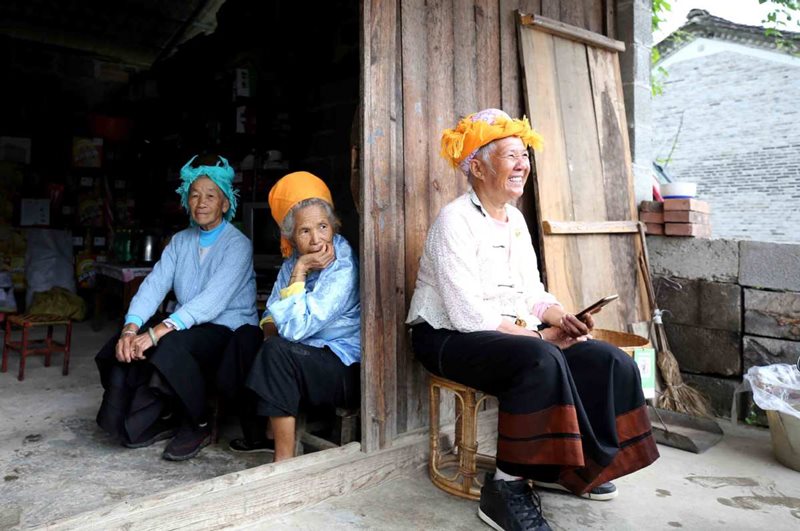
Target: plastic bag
[(58, 301), (48, 261), (775, 387)]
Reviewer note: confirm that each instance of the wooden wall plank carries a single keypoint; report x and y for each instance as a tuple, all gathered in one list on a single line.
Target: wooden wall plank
[(487, 27), (429, 102), (462, 53), (381, 224), (616, 158), (572, 12), (511, 91), (580, 130), (415, 164), (590, 263), (551, 9), (594, 16), (511, 98), (610, 18), (452, 88), (553, 198)]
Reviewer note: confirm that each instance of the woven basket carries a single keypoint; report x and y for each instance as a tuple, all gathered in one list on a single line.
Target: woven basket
[(626, 342)]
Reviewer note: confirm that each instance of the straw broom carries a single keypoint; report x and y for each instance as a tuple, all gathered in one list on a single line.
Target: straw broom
[(677, 395)]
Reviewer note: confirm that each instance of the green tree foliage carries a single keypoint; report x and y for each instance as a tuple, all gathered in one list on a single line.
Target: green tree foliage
[(783, 17)]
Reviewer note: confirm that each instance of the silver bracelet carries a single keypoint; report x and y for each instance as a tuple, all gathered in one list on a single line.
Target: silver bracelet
[(152, 334), (128, 333)]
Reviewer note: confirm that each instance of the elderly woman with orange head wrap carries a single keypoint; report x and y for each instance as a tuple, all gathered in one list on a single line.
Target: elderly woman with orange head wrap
[(572, 415), (312, 323)]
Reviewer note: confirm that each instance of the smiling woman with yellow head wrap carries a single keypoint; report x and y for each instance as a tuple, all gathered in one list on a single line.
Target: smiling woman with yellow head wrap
[(571, 411), (312, 323)]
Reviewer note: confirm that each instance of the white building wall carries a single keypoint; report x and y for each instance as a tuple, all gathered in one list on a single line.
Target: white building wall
[(740, 136)]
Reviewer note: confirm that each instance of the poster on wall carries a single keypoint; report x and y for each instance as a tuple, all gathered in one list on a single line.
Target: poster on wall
[(34, 213)]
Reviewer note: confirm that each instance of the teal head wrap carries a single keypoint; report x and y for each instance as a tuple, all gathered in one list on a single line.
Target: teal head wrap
[(221, 174)]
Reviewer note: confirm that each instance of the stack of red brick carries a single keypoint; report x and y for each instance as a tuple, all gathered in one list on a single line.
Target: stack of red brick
[(677, 217)]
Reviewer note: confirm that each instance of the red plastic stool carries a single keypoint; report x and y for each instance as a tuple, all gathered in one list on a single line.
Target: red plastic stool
[(28, 346)]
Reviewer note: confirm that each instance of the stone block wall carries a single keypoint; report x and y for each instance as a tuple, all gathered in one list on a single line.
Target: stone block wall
[(729, 305)]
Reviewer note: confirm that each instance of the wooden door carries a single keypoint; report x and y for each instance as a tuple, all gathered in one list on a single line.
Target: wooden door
[(583, 179)]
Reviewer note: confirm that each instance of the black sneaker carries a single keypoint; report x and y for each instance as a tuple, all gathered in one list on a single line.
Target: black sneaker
[(511, 506), (243, 446), (188, 442), (606, 491), (159, 431)]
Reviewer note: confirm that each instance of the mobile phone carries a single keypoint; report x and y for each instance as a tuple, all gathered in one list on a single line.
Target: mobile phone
[(597, 305)]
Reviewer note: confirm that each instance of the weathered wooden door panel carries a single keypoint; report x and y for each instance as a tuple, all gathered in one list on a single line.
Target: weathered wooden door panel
[(583, 174)]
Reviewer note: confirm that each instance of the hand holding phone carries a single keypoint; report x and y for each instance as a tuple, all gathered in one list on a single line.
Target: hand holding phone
[(595, 307)]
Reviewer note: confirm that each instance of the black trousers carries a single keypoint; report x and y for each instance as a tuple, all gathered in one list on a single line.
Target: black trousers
[(575, 416), (175, 374), (236, 364), (286, 375)]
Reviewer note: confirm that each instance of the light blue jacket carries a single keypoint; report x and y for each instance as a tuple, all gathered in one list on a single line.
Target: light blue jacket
[(220, 290), (328, 312)]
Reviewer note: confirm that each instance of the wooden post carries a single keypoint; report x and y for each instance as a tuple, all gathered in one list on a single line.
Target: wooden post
[(382, 264)]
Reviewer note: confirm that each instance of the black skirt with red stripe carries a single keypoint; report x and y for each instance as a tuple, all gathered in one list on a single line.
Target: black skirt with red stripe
[(575, 416)]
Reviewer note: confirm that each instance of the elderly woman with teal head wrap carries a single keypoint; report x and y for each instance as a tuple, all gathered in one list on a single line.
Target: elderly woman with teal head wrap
[(156, 370), (217, 180)]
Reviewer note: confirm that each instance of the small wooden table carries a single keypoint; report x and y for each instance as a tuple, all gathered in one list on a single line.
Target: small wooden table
[(130, 278)]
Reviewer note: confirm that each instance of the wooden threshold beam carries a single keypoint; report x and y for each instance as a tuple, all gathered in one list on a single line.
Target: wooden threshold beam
[(254, 496)]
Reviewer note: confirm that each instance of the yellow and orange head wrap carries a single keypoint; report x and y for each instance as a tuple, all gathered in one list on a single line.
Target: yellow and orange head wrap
[(459, 145), (290, 190)]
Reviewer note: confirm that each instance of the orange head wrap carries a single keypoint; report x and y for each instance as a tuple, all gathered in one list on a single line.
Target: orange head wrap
[(290, 190), (459, 145)]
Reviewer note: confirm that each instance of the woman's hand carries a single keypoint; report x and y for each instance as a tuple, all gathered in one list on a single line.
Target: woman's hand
[(553, 334), (570, 324), (141, 343), (318, 260), (124, 347), (560, 338), (575, 327), (269, 329)]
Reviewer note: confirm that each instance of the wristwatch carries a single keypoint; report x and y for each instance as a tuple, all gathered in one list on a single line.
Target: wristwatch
[(169, 323)]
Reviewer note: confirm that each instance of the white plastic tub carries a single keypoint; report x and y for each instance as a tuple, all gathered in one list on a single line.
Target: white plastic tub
[(678, 190)]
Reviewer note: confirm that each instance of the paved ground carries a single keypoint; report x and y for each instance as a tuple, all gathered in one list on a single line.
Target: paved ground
[(55, 462), (735, 485)]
